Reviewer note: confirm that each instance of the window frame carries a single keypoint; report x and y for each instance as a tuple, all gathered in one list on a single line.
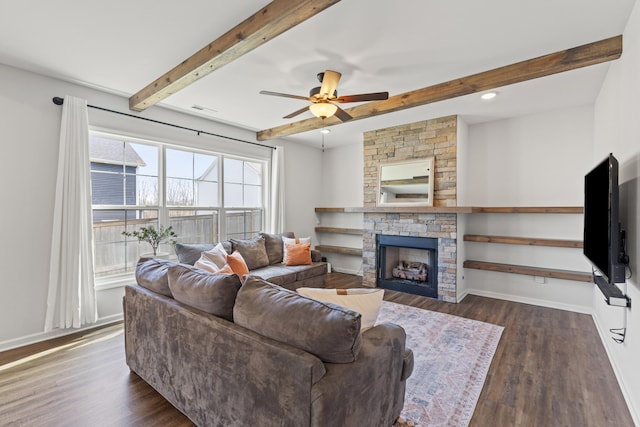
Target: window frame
[(163, 210)]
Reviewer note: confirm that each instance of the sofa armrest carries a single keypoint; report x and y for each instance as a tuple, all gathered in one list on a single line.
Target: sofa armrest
[(316, 256), (369, 391)]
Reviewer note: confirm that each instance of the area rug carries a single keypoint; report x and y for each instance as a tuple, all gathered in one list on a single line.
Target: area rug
[(452, 356)]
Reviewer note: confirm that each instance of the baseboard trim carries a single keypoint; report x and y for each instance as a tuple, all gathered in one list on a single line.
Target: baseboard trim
[(44, 336), (532, 301), (635, 412)]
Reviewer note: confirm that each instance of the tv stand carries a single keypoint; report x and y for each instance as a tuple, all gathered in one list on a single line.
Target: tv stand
[(612, 294)]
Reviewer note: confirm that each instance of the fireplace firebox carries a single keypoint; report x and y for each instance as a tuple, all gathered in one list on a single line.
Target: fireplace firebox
[(408, 264)]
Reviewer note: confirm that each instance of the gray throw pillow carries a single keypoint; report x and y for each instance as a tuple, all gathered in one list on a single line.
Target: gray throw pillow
[(189, 253), (253, 251), (151, 273), (330, 332), (213, 293), (273, 244)]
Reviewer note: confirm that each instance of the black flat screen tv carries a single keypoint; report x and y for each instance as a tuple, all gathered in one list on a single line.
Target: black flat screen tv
[(602, 229)]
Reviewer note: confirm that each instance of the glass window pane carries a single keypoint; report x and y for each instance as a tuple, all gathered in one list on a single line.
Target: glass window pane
[(206, 193), (253, 173), (243, 224), (107, 188), (147, 189), (252, 196), (180, 192), (113, 252), (147, 160), (233, 170), (179, 164), (205, 167), (114, 165), (197, 226), (233, 194)]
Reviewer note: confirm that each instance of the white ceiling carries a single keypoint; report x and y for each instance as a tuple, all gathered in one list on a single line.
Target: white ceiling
[(377, 45)]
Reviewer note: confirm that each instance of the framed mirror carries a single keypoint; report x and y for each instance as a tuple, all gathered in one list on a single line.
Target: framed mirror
[(406, 183)]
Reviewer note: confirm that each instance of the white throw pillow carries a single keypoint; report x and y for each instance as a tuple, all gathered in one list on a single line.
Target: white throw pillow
[(217, 256), (366, 301), (290, 241), (206, 264)]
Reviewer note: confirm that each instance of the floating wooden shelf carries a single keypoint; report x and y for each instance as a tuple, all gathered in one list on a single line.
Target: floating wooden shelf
[(531, 241), (338, 230), (529, 271), (460, 209), (531, 209), (339, 250), (330, 210)]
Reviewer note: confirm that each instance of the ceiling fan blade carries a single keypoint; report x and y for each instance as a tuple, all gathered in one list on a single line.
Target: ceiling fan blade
[(342, 115), (376, 96), (285, 95), (329, 83), (295, 113)]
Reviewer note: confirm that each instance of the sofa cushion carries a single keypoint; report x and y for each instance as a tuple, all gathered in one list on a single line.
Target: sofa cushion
[(151, 273), (366, 301), (278, 274), (304, 272), (253, 251), (274, 245), (298, 254), (330, 332), (189, 253), (213, 293)]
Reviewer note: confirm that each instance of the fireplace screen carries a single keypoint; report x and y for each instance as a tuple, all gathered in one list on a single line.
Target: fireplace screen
[(408, 264)]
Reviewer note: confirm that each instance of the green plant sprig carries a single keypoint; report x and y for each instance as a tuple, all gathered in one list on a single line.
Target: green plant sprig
[(154, 237)]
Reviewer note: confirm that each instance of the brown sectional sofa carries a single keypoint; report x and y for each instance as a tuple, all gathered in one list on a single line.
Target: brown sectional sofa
[(290, 277), (231, 353)]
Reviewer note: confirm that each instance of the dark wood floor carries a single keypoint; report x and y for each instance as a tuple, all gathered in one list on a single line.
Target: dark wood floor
[(550, 369)]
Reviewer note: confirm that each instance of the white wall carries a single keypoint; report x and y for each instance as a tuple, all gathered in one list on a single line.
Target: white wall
[(30, 126), (303, 183), (535, 160), (617, 131), (342, 186)]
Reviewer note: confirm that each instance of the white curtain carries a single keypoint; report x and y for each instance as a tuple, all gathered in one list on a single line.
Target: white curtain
[(71, 301), (277, 190)]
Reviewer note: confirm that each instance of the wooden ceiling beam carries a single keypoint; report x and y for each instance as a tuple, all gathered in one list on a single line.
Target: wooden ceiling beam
[(558, 62), (264, 25)]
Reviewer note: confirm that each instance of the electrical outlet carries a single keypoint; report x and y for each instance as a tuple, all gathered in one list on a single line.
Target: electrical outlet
[(539, 279)]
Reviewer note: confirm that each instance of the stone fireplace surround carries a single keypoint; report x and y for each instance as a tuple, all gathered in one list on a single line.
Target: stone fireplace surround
[(438, 138)]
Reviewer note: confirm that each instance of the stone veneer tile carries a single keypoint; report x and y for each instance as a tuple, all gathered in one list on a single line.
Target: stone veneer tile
[(436, 137)]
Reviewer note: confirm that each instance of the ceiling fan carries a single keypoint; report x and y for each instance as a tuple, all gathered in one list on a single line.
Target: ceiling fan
[(324, 97)]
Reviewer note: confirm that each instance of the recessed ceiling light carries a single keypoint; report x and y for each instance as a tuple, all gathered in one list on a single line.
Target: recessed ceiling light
[(203, 109), (324, 130), (489, 95)]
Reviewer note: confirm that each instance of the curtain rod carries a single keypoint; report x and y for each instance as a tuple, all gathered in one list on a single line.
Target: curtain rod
[(59, 101)]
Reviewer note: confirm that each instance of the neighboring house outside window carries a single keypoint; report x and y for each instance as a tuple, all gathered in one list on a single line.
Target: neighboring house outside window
[(205, 196)]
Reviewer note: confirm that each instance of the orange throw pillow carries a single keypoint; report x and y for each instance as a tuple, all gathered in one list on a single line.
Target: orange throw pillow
[(226, 269), (237, 264), (298, 254)]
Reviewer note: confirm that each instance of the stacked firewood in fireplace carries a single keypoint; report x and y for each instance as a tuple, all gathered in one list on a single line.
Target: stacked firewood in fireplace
[(416, 271)]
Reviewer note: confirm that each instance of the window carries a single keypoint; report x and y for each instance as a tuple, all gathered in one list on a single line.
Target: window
[(243, 198), (204, 196)]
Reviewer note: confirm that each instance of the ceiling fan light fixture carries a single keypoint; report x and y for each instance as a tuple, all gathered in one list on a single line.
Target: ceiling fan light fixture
[(323, 109)]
